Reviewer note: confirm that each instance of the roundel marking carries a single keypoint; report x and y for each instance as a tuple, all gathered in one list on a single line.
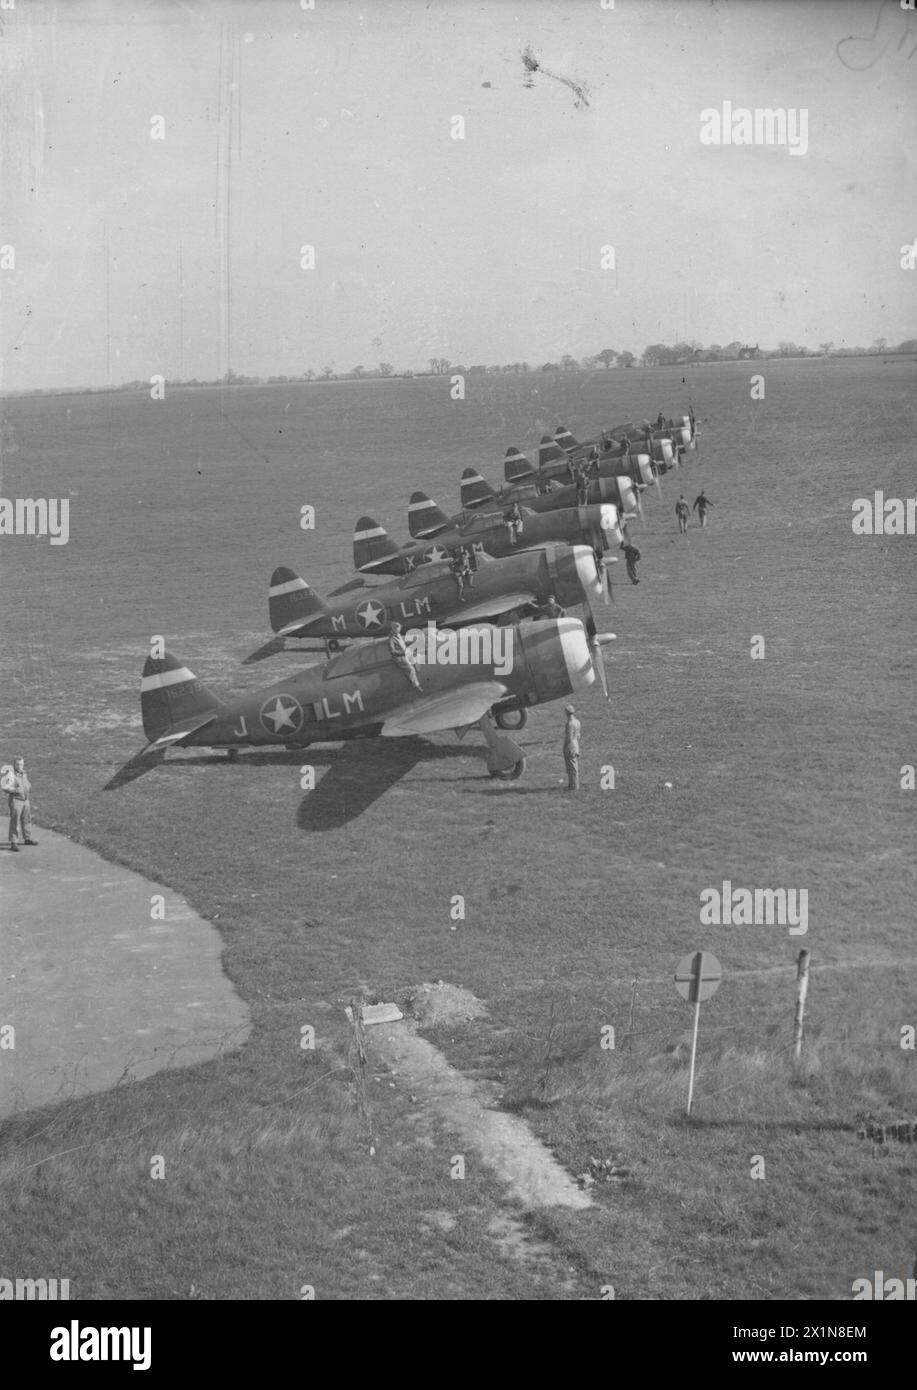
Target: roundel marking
[(370, 614), (281, 715)]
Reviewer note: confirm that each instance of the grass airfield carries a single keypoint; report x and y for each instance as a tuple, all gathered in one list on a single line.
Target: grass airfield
[(784, 772)]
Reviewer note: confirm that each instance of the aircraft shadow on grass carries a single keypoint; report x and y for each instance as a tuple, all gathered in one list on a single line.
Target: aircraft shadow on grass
[(358, 776), (358, 773)]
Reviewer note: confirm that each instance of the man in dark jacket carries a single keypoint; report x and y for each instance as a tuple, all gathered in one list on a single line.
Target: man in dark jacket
[(631, 556)]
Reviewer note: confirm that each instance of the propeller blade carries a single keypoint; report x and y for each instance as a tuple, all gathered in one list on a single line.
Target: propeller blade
[(601, 566), (597, 641), (598, 661)]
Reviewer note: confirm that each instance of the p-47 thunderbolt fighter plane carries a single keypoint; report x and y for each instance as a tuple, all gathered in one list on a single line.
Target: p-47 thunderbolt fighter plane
[(556, 465), (374, 552), (432, 593), (464, 678), (548, 495)]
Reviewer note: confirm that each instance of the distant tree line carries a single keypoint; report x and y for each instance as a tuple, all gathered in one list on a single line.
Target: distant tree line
[(679, 354)]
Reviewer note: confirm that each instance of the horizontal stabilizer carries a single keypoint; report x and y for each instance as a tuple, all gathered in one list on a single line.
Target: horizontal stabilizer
[(351, 585), (452, 709), (424, 517), (179, 731)]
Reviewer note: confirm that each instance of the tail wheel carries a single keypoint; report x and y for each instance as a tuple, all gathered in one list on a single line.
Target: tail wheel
[(512, 719), (512, 775)]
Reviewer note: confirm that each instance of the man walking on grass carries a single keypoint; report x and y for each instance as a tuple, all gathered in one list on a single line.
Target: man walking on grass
[(701, 505)]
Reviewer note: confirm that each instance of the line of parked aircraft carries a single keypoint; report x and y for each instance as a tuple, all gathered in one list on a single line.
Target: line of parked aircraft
[(518, 556)]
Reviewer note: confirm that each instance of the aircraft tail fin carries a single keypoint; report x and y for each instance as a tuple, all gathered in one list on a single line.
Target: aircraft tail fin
[(549, 451), (292, 605), (516, 466), (475, 490), (374, 551), (173, 702), (425, 518), (565, 439)]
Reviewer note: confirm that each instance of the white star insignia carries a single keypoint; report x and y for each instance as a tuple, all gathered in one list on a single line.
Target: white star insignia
[(371, 614), (286, 713), (436, 553)]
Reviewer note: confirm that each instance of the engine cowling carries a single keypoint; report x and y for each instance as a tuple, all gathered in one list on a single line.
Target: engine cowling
[(555, 653), (574, 574)]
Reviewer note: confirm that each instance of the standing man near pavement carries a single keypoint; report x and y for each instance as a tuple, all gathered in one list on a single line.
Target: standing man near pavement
[(16, 784), (572, 732), (682, 511), (701, 504), (399, 650)]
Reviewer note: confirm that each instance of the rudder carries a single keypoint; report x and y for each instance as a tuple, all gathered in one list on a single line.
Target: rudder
[(374, 551), (475, 490), (516, 466), (425, 518), (173, 702), (291, 603)]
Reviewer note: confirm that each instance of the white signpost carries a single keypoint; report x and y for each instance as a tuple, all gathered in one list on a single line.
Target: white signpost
[(697, 977)]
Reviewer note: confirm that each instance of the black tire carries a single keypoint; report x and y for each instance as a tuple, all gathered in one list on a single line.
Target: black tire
[(505, 720), (512, 774)]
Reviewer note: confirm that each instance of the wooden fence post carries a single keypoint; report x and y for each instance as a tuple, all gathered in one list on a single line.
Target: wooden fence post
[(802, 989)]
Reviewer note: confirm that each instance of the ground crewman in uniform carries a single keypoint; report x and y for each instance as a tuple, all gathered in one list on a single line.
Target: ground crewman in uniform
[(572, 732), (631, 556), (582, 487), (552, 608), (701, 504), (682, 511), (18, 788), (399, 650), (514, 522), (467, 570), (460, 567)]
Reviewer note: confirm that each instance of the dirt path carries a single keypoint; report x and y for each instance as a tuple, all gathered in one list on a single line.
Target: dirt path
[(504, 1142)]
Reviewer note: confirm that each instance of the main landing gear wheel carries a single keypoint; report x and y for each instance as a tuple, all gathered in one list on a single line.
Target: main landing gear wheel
[(512, 719), (512, 775)]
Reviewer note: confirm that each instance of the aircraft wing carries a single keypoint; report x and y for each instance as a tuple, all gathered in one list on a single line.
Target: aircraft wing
[(176, 732), (453, 709), (490, 608)]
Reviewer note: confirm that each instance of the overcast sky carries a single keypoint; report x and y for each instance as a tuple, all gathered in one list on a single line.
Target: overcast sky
[(332, 128)]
